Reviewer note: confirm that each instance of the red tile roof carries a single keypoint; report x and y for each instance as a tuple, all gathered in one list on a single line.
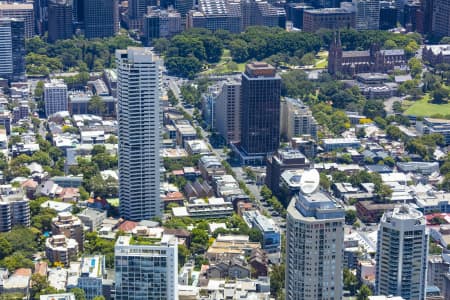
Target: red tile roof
[(127, 226)]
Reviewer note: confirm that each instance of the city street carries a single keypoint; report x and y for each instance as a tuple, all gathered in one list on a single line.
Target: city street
[(174, 84)]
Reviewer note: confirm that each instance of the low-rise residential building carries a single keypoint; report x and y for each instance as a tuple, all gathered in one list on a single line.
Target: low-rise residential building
[(239, 289), (79, 104), (16, 284), (185, 132), (340, 143), (432, 201), (267, 227), (210, 166), (234, 268), (5, 120), (64, 296), (57, 278), (422, 167), (438, 267), (57, 206), (212, 208), (434, 125), (14, 210), (197, 147), (92, 218), (91, 276), (60, 249), (198, 189), (349, 193), (371, 212), (68, 181), (229, 246), (70, 226), (92, 137)]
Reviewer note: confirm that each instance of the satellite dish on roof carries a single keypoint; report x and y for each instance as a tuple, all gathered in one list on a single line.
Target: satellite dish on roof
[(310, 181)]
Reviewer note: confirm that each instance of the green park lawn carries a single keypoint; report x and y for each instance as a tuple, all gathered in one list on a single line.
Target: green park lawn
[(322, 60), (422, 108), (224, 66)]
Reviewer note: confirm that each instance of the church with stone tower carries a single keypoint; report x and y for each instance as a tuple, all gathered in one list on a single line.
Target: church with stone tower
[(374, 60)]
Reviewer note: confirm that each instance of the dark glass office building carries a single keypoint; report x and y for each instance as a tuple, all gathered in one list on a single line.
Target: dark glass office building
[(100, 18), (60, 13), (260, 109), (18, 47)]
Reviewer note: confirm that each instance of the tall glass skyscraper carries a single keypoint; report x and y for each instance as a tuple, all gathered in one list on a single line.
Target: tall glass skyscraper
[(138, 91), (101, 18), (12, 49), (260, 100), (60, 24), (314, 243), (402, 249)]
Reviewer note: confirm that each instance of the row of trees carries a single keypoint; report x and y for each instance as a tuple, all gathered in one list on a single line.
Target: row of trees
[(77, 53), (329, 98), (187, 53), (90, 169)]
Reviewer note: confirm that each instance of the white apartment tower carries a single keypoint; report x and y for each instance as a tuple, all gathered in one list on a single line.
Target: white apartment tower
[(402, 249), (138, 91), (55, 97), (146, 269), (228, 111), (296, 119), (314, 243)]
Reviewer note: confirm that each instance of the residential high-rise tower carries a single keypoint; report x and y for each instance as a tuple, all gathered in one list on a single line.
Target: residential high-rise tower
[(402, 249), (228, 111), (138, 91), (146, 270), (314, 243), (55, 97)]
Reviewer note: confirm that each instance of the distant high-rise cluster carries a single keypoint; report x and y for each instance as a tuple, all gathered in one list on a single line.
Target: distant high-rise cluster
[(160, 23), (60, 23), (100, 18), (235, 16), (20, 11)]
